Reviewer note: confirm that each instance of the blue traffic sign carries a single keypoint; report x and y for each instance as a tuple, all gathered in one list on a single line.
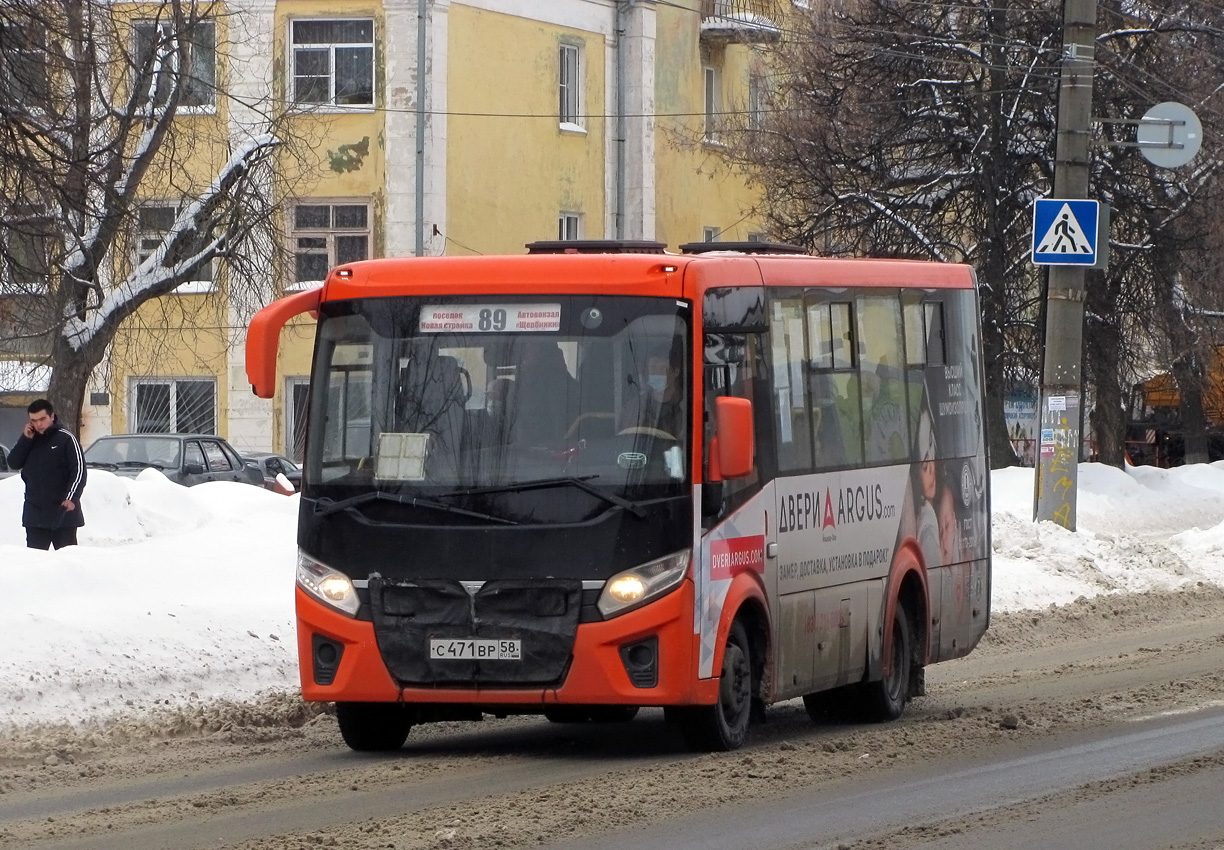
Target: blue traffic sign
[(1065, 232)]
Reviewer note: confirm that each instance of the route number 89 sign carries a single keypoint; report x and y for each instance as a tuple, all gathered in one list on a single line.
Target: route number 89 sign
[(490, 318)]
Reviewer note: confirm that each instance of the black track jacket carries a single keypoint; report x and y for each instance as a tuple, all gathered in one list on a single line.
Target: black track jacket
[(53, 469)]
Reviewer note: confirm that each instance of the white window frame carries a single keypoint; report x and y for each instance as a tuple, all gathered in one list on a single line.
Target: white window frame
[(297, 51), (333, 238), (756, 97), (149, 240), (710, 233), (208, 104), (292, 384), (711, 80), (133, 423), (569, 83), (569, 226)]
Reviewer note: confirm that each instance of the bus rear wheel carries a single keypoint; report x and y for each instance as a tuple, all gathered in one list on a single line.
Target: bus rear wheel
[(724, 725), (885, 699), (370, 727)]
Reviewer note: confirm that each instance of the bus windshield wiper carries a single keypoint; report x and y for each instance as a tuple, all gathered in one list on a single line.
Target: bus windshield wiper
[(326, 506), (544, 483), (101, 464)]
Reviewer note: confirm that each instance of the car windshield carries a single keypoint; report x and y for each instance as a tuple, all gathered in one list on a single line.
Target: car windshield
[(465, 396), (162, 452)]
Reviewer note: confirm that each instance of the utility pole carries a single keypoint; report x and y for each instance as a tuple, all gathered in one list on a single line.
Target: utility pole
[(1055, 483)]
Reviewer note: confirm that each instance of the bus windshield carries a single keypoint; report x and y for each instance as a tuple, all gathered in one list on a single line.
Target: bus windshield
[(463, 398)]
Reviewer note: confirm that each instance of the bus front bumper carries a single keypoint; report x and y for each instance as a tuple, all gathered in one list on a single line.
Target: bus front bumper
[(340, 661)]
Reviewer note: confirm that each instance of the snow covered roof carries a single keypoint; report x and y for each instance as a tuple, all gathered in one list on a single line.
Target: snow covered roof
[(24, 376)]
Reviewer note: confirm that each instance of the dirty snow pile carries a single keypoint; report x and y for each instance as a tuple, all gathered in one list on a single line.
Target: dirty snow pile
[(185, 595)]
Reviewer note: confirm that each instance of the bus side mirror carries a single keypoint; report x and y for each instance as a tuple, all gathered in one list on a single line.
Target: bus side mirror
[(731, 448)]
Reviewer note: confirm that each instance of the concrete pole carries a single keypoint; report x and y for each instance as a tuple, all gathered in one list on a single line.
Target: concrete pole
[(1054, 493)]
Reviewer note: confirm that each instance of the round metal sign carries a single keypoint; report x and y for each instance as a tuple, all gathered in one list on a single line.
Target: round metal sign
[(1169, 135)]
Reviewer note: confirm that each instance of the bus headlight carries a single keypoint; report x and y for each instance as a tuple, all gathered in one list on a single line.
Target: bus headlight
[(635, 587), (331, 587)]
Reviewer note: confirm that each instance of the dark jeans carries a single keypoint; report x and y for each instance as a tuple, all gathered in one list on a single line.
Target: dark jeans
[(45, 538)]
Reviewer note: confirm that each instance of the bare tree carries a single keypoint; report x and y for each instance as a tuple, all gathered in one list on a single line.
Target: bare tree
[(1150, 307), (91, 129), (919, 130), (928, 130)]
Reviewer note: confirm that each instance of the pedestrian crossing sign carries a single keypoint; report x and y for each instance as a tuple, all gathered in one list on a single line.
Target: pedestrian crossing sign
[(1065, 232)]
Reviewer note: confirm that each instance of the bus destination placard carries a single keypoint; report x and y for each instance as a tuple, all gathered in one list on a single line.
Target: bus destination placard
[(490, 318)]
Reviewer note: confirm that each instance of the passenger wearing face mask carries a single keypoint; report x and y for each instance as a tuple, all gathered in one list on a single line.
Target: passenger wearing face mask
[(659, 403)]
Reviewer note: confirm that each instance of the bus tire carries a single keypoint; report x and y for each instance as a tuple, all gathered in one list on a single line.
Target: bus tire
[(724, 725), (371, 727), (885, 699)]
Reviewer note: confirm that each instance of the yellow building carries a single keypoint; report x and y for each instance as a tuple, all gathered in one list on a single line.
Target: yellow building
[(519, 120)]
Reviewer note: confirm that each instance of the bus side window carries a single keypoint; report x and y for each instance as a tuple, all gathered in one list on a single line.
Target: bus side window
[(882, 376), (924, 349), (795, 420), (733, 364), (834, 384)]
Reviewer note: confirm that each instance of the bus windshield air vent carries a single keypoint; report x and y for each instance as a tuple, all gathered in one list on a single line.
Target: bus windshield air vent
[(597, 246), (742, 247)]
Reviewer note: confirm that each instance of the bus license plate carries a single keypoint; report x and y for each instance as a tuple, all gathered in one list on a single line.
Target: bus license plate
[(476, 650)]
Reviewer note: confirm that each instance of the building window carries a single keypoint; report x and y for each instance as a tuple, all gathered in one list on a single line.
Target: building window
[(23, 64), (571, 86), (711, 103), (161, 64), (297, 394), (569, 226), (710, 234), (333, 62), (155, 222), (27, 237), (173, 406), (756, 101), (327, 235)]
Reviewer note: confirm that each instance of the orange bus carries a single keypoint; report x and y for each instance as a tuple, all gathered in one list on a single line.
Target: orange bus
[(599, 476)]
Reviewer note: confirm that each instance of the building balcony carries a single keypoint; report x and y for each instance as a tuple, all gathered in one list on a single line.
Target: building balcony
[(741, 21)]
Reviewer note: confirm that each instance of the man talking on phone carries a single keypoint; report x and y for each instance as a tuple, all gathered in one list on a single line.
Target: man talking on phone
[(53, 470)]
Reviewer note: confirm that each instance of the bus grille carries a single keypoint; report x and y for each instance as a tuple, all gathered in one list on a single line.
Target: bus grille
[(542, 615)]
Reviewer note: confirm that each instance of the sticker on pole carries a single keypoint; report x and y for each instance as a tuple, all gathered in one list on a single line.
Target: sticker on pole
[(1064, 232)]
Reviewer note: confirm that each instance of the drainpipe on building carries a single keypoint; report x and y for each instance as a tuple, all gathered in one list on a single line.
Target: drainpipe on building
[(618, 216), (420, 130)]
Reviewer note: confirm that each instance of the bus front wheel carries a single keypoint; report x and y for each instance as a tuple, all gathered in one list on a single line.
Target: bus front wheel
[(373, 726), (724, 725)]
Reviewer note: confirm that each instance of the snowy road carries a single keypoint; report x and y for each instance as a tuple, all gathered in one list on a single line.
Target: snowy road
[(1084, 676)]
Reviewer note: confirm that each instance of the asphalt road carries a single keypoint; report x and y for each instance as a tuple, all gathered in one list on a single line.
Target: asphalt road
[(1100, 725)]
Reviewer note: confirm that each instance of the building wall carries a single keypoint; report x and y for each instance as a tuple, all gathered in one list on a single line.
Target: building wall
[(179, 336), (695, 187), (498, 169), (512, 167)]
